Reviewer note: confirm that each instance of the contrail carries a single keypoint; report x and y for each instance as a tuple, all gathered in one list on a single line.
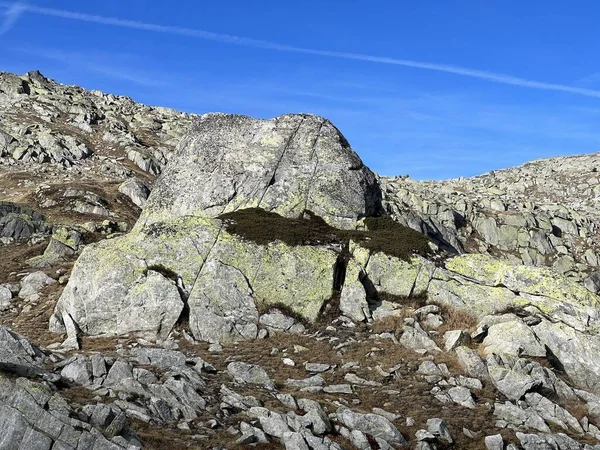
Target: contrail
[(11, 15), (257, 43)]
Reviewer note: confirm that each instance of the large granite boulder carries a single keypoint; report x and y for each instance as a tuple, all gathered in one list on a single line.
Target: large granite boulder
[(179, 262), (286, 165)]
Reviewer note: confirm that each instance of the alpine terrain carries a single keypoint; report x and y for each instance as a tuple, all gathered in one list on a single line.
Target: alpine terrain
[(176, 281)]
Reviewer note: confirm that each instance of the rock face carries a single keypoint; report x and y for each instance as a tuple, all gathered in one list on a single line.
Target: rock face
[(178, 258), (286, 165)]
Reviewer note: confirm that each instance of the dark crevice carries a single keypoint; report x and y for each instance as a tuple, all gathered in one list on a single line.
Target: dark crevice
[(553, 360), (339, 272), (556, 231), (281, 156), (372, 295)]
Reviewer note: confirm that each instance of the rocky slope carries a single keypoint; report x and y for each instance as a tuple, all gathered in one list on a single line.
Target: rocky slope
[(263, 299), (544, 213)]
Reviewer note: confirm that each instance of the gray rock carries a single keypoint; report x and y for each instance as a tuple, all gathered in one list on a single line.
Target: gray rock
[(78, 371), (275, 319), (33, 417), (577, 352), (494, 442), (294, 441), (136, 190), (285, 154), (318, 419), (513, 338), (297, 162), (33, 283), (553, 413), (150, 310), (274, 424), (251, 374), (471, 362), (439, 429), (315, 380), (521, 418), (159, 357), (355, 379), (338, 389), (592, 283), (462, 396), (373, 424), (5, 298), (227, 304), (547, 441), (415, 338), (316, 367), (509, 376), (17, 352), (424, 435), (455, 338)]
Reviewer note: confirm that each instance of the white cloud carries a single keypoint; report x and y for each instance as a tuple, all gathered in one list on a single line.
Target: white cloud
[(10, 17), (256, 43)]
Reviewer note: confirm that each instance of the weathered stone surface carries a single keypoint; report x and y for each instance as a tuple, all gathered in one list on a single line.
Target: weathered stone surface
[(578, 352), (136, 190), (462, 396), (150, 305), (536, 213), (415, 338), (439, 428), (471, 362), (298, 162), (33, 283), (5, 298), (455, 338), (289, 164), (520, 417), (16, 349), (250, 373), (510, 376), (373, 424), (513, 338)]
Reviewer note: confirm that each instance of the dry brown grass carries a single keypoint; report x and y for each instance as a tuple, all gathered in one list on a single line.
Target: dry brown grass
[(456, 319), (389, 324), (13, 257), (155, 437)]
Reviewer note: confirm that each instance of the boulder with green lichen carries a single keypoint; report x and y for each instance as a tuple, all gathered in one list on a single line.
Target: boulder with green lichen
[(221, 277)]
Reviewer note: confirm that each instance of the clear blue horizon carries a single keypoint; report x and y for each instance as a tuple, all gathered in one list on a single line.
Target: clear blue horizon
[(431, 89)]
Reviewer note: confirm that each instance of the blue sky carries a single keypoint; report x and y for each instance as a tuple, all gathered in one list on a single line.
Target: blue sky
[(432, 89)]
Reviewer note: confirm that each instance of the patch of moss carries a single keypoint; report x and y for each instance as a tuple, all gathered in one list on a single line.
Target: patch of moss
[(383, 234), (386, 235)]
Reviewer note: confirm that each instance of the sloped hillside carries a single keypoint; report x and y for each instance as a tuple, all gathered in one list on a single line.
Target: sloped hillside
[(222, 282)]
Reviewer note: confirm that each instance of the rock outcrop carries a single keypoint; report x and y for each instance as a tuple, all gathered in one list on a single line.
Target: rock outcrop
[(543, 213), (180, 259)]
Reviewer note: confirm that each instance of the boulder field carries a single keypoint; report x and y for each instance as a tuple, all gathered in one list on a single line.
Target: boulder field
[(181, 262)]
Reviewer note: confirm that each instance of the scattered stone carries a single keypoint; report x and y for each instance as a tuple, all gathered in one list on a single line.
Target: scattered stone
[(316, 367), (439, 429), (494, 442), (338, 389), (251, 374)]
